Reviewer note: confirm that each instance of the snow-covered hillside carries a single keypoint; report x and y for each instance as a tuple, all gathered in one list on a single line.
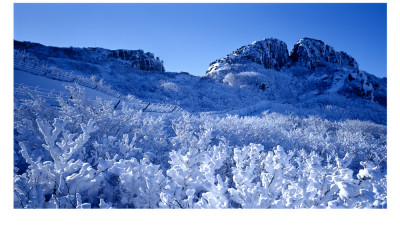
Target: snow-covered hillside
[(264, 128)]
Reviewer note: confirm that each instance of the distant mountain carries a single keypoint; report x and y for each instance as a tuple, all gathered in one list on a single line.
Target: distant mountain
[(310, 60), (136, 59)]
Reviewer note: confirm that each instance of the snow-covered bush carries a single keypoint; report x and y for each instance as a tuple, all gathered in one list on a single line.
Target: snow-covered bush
[(276, 180), (193, 179), (88, 154), (66, 181), (169, 86)]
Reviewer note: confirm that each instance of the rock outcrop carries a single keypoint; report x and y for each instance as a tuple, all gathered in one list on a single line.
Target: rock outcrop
[(312, 53), (271, 53), (137, 59)]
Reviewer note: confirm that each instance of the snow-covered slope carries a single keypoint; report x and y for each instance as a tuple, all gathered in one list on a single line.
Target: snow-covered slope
[(47, 85)]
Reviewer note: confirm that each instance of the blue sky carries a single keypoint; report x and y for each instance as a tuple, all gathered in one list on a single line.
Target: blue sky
[(190, 36)]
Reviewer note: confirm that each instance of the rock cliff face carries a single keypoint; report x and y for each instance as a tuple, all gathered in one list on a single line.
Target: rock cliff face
[(271, 53), (311, 53), (137, 59)]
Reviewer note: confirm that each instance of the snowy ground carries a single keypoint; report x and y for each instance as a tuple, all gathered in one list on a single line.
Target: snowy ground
[(55, 87)]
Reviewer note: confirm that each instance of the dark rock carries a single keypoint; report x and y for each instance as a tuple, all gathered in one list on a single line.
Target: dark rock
[(270, 53), (312, 53), (351, 78)]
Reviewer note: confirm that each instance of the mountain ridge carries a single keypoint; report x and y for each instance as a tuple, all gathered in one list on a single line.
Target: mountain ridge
[(266, 66), (137, 59)]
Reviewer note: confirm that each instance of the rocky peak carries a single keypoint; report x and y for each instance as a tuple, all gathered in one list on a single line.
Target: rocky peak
[(270, 53), (137, 59), (311, 53)]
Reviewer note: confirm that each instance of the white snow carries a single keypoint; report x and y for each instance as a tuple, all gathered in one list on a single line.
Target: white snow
[(46, 84)]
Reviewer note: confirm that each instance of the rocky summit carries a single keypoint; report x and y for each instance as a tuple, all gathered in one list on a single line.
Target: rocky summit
[(271, 53), (312, 61), (312, 53)]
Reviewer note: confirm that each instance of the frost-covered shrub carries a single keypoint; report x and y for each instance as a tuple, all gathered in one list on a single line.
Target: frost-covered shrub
[(252, 79), (26, 112), (276, 180), (88, 154), (53, 177), (66, 182), (273, 84), (23, 57), (169, 86), (311, 134), (131, 183), (193, 181)]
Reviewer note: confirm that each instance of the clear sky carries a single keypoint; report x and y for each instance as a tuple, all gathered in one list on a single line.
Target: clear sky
[(188, 37)]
